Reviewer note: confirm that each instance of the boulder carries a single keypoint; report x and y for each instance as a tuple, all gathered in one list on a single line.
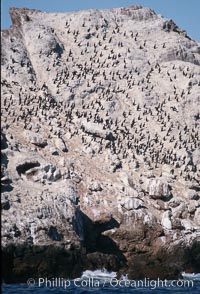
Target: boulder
[(130, 203), (193, 195), (61, 145), (158, 189), (166, 220), (95, 187), (187, 224), (97, 131), (36, 139)]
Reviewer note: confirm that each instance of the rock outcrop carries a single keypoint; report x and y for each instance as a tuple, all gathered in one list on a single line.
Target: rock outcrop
[(100, 144)]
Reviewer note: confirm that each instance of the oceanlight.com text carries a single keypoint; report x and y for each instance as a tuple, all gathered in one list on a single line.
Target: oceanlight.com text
[(112, 282)]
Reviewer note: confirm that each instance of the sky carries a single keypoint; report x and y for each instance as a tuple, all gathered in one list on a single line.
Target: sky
[(185, 13)]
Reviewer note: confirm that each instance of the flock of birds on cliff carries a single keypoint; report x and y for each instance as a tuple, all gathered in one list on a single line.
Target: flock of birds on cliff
[(107, 78)]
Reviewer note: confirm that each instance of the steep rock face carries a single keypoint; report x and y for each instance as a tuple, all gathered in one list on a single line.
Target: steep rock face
[(100, 144)]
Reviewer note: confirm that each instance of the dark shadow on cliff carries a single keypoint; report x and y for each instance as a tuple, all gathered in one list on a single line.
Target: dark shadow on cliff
[(92, 238), (6, 186), (193, 258)]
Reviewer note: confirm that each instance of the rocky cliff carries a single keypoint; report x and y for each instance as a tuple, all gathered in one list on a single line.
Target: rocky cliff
[(100, 144)]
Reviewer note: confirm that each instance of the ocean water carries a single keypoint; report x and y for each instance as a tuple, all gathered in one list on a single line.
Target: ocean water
[(101, 281)]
